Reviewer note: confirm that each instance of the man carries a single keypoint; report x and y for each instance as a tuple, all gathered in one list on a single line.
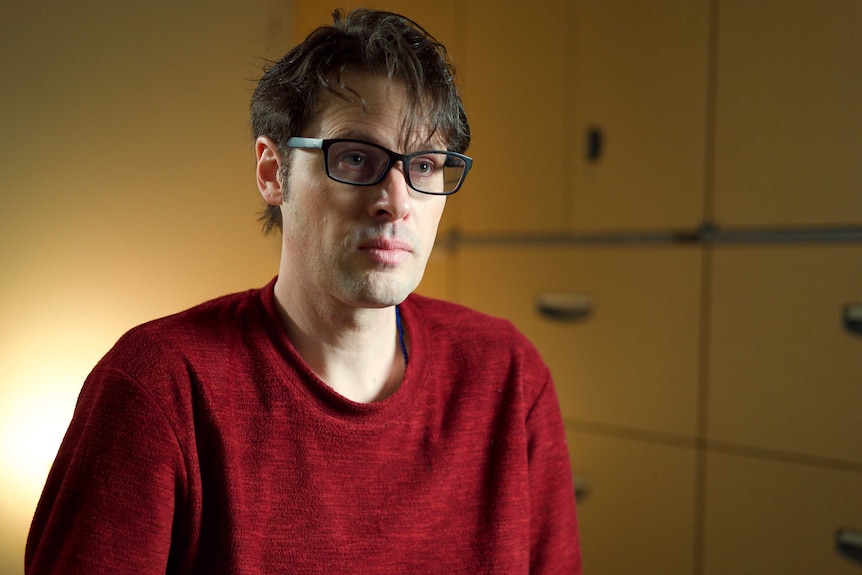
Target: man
[(330, 422)]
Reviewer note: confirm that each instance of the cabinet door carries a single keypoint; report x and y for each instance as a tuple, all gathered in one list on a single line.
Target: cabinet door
[(632, 360), (788, 118), (772, 518), (514, 69), (641, 100), (636, 504), (784, 372)]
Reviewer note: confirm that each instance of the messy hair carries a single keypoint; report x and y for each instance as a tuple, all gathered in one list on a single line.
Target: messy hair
[(364, 41)]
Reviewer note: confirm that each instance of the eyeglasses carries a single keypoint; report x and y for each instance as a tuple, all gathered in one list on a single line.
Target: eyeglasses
[(361, 163)]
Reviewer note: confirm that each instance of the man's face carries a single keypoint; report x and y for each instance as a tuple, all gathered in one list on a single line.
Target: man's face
[(363, 246)]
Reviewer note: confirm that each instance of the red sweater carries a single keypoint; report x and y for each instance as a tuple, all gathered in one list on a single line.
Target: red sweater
[(202, 443)]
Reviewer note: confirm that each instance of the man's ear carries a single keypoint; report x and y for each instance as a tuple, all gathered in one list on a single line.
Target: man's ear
[(268, 171)]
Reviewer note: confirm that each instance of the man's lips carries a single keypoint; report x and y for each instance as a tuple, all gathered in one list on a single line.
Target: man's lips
[(386, 251), (386, 244)]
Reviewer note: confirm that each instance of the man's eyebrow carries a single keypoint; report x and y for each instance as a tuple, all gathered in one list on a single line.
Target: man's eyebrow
[(353, 134)]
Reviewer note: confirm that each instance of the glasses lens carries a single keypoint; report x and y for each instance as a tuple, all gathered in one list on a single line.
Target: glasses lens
[(436, 172), (356, 162), (454, 172)]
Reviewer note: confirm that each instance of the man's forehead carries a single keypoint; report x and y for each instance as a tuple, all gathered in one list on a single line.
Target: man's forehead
[(362, 94)]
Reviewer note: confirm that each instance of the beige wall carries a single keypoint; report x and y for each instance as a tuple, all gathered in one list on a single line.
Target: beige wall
[(126, 193)]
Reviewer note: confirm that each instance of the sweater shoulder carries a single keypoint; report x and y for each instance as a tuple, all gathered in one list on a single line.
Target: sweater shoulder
[(457, 318), (207, 330), (469, 332)]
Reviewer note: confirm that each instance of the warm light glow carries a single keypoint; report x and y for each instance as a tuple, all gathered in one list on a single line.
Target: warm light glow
[(33, 420), (37, 399), (32, 434)]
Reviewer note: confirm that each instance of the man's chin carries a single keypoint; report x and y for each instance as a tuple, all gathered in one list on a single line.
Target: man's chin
[(378, 292)]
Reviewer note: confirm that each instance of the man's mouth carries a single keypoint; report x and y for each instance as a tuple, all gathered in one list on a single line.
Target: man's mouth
[(386, 251)]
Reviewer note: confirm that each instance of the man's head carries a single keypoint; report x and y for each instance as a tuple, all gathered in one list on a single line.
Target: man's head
[(364, 42), (358, 134)]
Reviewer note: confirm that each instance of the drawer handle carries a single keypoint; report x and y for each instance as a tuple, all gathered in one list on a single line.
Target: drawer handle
[(849, 543), (564, 306), (595, 144), (853, 317)]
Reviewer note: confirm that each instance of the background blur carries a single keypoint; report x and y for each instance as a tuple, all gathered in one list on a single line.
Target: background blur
[(667, 199)]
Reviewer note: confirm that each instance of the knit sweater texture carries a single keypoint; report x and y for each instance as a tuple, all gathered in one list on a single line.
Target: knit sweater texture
[(203, 444)]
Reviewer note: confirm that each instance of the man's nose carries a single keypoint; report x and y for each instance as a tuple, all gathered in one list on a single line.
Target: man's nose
[(394, 200)]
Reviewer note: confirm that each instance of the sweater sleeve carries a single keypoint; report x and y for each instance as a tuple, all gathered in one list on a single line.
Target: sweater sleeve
[(555, 544), (109, 502)]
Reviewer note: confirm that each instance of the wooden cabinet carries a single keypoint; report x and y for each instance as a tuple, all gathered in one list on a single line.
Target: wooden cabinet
[(636, 511), (788, 137), (640, 96), (784, 372), (632, 360), (776, 518)]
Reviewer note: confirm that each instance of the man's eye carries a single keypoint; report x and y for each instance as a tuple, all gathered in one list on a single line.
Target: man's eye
[(422, 166), (354, 160)]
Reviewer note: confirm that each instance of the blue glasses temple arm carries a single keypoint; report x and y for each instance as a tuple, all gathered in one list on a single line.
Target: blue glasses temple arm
[(296, 142)]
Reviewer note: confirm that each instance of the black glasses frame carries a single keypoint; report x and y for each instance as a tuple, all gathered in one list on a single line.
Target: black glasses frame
[(321, 144)]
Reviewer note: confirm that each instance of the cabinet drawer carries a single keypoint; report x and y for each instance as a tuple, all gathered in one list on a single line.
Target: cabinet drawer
[(784, 372), (636, 513), (774, 518), (633, 359)]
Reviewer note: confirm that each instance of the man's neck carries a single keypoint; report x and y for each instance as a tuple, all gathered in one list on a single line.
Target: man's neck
[(355, 351)]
